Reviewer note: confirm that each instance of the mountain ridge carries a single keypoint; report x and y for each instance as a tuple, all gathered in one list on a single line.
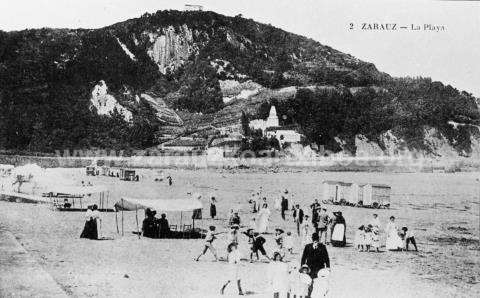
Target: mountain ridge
[(182, 61)]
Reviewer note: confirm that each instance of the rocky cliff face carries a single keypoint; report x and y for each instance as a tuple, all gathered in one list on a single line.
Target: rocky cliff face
[(171, 47)]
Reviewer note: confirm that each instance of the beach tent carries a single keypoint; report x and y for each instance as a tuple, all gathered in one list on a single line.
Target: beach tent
[(74, 192), (169, 205), (180, 205)]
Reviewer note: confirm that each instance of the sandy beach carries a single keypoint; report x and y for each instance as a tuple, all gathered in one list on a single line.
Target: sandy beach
[(441, 209)]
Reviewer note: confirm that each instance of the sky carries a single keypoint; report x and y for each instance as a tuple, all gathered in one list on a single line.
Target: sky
[(451, 56)]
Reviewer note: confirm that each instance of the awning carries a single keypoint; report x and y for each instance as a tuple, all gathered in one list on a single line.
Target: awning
[(131, 204), (75, 190)]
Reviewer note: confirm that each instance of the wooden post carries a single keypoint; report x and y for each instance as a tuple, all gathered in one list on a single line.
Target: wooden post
[(116, 221), (181, 217), (108, 195), (136, 218), (122, 217)]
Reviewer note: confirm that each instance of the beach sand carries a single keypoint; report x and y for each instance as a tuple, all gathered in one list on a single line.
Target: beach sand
[(441, 209)]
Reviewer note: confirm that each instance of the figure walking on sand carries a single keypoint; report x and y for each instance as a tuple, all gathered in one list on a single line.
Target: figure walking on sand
[(234, 264), (263, 218)]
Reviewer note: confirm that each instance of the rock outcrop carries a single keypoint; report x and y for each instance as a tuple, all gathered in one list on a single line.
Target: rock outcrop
[(171, 47), (105, 103)]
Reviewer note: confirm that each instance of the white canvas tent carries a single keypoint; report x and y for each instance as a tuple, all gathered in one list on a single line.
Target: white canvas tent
[(77, 192), (131, 204), (169, 205)]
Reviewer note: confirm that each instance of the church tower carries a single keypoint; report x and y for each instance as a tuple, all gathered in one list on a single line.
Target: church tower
[(272, 119)]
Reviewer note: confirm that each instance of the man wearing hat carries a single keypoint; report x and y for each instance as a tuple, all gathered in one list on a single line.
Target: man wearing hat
[(315, 256)]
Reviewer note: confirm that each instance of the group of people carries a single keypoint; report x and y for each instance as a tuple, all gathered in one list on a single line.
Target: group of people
[(310, 280), (367, 237), (153, 227)]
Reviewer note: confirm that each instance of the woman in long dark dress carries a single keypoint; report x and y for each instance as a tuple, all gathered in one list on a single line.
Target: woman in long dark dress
[(213, 208), (90, 230), (338, 231)]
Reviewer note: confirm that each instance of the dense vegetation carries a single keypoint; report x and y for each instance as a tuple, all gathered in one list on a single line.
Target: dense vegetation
[(405, 107), (46, 77)]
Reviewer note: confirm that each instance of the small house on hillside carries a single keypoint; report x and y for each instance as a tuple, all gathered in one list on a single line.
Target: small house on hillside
[(225, 147)]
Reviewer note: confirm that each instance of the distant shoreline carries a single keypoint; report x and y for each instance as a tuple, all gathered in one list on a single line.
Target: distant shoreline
[(334, 164)]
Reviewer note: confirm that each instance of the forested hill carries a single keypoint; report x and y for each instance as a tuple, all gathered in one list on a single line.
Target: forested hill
[(125, 85)]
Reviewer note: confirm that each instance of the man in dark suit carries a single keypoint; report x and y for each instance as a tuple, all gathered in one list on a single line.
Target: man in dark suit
[(298, 215), (284, 205), (315, 256)]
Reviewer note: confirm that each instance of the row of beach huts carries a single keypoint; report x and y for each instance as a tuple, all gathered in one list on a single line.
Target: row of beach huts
[(370, 195)]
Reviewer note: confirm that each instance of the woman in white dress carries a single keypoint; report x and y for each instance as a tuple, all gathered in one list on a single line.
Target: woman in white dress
[(263, 217), (277, 204), (306, 231), (394, 242)]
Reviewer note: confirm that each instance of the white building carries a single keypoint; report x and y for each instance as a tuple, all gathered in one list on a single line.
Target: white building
[(271, 127), (191, 7), (271, 121)]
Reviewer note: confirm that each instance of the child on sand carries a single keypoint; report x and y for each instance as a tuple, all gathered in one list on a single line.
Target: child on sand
[(376, 239), (278, 274), (303, 282), (368, 238), (209, 238), (288, 242), (409, 238), (360, 238), (279, 243), (234, 263)]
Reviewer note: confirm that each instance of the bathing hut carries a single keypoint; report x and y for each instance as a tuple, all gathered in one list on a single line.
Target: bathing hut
[(337, 192), (376, 195), (355, 194), (127, 175)]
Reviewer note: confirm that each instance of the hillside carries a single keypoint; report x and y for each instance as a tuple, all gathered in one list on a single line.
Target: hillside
[(127, 85)]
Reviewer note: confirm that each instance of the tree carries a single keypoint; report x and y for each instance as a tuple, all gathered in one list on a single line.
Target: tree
[(245, 124)]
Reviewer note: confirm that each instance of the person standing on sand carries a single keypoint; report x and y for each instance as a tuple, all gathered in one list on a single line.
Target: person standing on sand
[(393, 242), (213, 207), (315, 207), (277, 203), (298, 215), (284, 204), (90, 231), (338, 232), (315, 256), (209, 238), (278, 274), (263, 219), (234, 257), (322, 226)]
